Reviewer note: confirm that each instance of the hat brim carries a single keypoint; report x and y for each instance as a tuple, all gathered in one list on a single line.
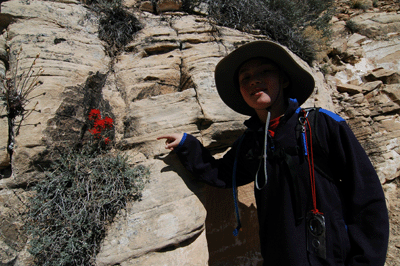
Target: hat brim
[(301, 80)]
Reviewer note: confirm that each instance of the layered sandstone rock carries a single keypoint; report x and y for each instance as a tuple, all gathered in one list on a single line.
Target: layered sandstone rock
[(163, 82)]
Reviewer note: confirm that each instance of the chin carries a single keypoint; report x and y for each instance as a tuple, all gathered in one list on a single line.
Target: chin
[(262, 107)]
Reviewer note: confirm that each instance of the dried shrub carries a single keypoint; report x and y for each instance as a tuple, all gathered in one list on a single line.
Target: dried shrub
[(317, 38), (16, 95)]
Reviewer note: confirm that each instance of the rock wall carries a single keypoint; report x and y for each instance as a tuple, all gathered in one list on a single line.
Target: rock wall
[(364, 68), (163, 82)]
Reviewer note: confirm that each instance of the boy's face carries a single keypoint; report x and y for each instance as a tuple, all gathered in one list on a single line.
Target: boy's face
[(261, 84)]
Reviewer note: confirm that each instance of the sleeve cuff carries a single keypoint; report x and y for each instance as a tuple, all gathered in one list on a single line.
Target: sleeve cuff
[(181, 142)]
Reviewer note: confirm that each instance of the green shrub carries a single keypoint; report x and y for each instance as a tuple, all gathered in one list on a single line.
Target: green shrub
[(281, 20), (361, 4), (117, 28), (80, 196), (352, 26)]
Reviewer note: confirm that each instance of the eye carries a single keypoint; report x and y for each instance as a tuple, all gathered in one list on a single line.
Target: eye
[(244, 78)]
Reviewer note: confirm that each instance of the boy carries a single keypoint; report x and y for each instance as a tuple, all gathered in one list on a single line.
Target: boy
[(333, 216)]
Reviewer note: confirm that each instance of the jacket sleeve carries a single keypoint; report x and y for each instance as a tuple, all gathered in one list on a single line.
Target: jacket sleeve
[(199, 161), (364, 203)]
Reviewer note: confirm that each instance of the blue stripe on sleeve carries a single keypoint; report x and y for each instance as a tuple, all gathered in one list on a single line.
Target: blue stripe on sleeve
[(181, 142)]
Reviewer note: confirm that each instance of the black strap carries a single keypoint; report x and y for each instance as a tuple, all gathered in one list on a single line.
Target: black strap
[(234, 187)]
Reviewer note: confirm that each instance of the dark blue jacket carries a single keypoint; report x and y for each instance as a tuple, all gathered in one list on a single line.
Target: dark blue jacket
[(351, 197)]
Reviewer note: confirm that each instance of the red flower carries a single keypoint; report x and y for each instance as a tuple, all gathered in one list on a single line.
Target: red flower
[(94, 114), (94, 131), (99, 124), (108, 122)]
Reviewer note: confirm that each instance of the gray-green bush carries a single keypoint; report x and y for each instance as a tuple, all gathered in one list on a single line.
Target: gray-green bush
[(80, 196)]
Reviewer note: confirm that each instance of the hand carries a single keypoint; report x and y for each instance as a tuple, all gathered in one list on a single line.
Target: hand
[(172, 140)]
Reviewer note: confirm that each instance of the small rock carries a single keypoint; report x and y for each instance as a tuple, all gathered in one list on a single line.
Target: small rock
[(169, 5), (386, 76), (356, 39), (349, 88), (370, 86), (338, 46), (353, 82), (146, 6)]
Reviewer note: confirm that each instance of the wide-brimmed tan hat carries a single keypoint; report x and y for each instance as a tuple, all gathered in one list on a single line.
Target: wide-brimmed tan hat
[(301, 81)]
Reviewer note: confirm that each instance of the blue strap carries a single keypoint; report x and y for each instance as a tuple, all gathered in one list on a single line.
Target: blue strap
[(303, 137)]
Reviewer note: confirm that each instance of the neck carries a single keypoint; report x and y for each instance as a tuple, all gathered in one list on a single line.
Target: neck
[(276, 111)]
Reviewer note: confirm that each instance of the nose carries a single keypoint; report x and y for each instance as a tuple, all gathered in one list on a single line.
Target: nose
[(255, 79)]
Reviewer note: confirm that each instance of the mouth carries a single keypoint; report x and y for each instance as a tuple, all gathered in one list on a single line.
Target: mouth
[(258, 91)]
